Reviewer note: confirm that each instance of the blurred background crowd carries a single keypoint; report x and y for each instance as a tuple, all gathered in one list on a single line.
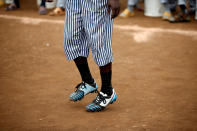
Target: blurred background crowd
[(58, 5), (173, 11), (170, 10)]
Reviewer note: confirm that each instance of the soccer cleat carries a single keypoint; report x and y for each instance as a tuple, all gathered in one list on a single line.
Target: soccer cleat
[(126, 13), (82, 90), (166, 15), (101, 102)]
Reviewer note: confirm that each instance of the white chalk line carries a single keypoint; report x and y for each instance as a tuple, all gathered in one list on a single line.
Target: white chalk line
[(161, 30), (29, 20), (142, 34)]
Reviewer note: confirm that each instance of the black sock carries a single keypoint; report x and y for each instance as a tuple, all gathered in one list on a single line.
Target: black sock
[(82, 65), (106, 76), (183, 9), (43, 3)]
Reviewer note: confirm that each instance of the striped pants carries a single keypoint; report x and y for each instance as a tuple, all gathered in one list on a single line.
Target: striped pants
[(88, 26)]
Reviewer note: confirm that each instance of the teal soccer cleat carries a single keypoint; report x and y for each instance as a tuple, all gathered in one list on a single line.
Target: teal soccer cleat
[(82, 90), (101, 101)]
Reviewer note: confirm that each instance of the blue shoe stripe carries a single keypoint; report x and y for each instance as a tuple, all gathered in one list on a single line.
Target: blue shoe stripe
[(76, 96), (114, 98), (93, 108)]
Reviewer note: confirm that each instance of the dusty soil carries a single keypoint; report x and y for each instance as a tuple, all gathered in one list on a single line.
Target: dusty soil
[(155, 79)]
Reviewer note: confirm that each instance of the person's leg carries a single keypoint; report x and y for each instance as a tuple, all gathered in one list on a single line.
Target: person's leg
[(183, 15), (15, 5), (64, 3), (172, 5), (107, 94), (167, 12), (42, 10), (128, 12), (57, 12), (82, 65), (175, 16), (60, 8), (137, 6), (192, 6), (77, 48), (184, 12), (196, 12), (61, 4), (88, 84), (99, 26), (166, 5), (43, 3), (182, 5), (106, 76), (131, 4)]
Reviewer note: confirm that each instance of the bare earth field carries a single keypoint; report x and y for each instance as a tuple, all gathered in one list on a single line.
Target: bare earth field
[(154, 75)]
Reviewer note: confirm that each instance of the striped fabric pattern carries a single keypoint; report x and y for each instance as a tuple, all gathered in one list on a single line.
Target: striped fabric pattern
[(88, 26)]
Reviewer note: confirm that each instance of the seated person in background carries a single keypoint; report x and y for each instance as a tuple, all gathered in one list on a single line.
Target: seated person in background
[(129, 11), (16, 4), (60, 8)]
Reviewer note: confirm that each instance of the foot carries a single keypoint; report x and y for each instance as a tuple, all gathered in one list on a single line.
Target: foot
[(101, 102), (166, 15), (11, 7), (82, 90), (126, 13), (180, 17), (57, 12), (42, 10)]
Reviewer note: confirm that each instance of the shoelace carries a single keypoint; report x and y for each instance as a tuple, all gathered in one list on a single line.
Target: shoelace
[(100, 98), (82, 85)]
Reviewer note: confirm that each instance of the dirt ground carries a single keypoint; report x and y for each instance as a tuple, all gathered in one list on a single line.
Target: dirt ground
[(154, 75)]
